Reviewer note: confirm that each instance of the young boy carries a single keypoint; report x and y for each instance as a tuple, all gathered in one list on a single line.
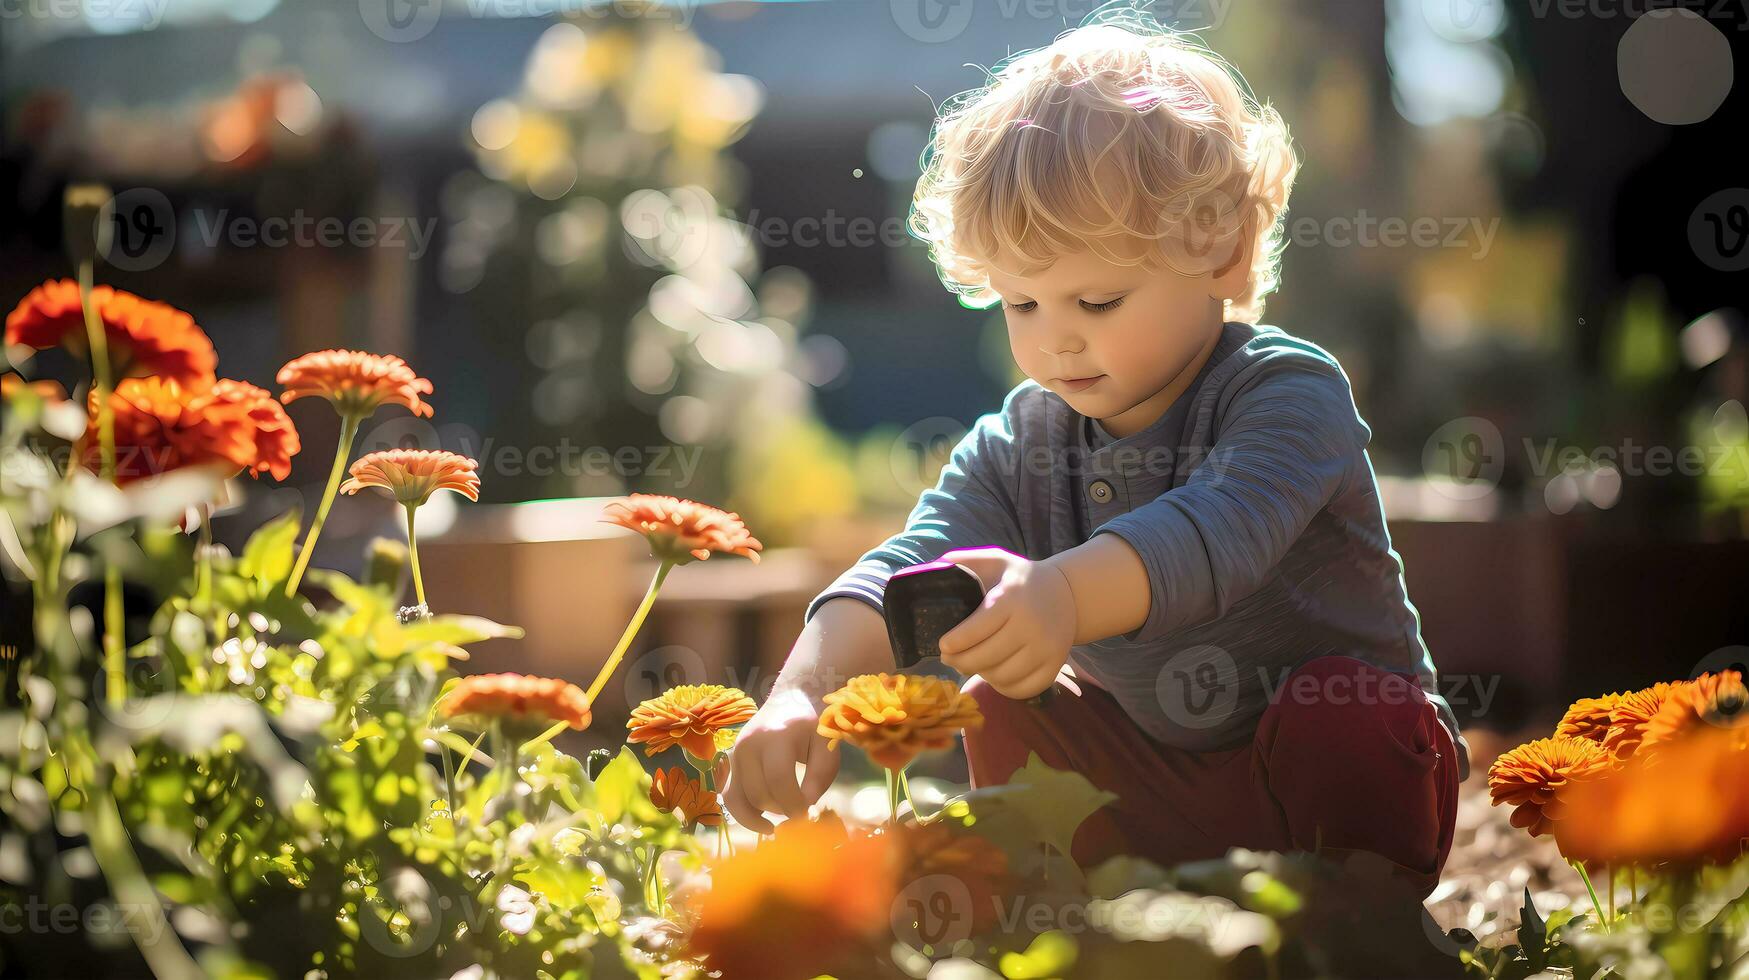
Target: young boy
[(1175, 517)]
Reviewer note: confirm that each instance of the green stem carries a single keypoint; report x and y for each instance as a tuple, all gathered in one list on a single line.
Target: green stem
[(506, 761), (413, 554), (905, 783), (156, 941), (203, 588), (893, 794), (1596, 906), (448, 779), (348, 432), (114, 653), (625, 639)]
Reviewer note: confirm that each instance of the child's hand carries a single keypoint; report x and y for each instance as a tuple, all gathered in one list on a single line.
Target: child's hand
[(1020, 637), (762, 764)]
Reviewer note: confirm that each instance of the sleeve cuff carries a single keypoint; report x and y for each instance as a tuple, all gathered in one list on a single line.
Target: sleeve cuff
[(866, 580)]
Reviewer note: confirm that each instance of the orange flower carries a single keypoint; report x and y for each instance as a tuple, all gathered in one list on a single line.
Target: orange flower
[(276, 439), (1630, 716), (894, 717), (1718, 700), (413, 475), (681, 530), (937, 861), (708, 809), (1534, 777), (159, 427), (355, 382), (689, 716), (517, 698), (669, 788), (796, 905), (1686, 804), (145, 338), (1588, 718)]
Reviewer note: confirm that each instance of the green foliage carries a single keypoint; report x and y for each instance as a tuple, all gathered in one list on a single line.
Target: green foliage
[(288, 787)]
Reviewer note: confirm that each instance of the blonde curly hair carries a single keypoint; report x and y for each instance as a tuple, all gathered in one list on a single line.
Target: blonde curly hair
[(1127, 139)]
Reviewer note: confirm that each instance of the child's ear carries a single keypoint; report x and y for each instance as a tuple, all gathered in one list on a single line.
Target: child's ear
[(1229, 281)]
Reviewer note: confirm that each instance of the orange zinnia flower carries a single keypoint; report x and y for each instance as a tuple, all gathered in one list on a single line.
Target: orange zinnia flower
[(355, 382), (1686, 804), (1630, 716), (1588, 718), (145, 338), (894, 717), (924, 851), (413, 475), (668, 788), (160, 427), (681, 530), (276, 439), (517, 698), (1718, 700), (796, 905), (1534, 777), (689, 716)]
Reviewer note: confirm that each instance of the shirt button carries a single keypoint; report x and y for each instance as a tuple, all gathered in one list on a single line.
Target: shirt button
[(1100, 492)]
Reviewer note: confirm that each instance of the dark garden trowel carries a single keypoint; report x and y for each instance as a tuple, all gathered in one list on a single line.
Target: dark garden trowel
[(923, 602)]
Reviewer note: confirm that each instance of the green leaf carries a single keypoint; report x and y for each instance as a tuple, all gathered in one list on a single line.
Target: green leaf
[(458, 630), (1533, 935), (1050, 954), (267, 558), (621, 785), (1038, 804)]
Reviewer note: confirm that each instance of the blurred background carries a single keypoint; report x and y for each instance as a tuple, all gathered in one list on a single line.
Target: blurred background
[(661, 247)]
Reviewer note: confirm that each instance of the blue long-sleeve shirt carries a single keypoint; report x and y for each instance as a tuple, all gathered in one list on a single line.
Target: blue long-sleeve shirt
[(1252, 504)]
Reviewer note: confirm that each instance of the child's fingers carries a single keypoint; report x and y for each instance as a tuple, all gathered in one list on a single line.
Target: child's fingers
[(974, 629), (750, 781), (822, 769), (991, 654), (1036, 682), (735, 801), (784, 793)]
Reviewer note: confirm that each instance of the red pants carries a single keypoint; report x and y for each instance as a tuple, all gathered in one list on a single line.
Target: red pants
[(1341, 762)]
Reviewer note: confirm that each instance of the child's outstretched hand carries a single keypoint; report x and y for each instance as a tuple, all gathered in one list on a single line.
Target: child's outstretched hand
[(1020, 637)]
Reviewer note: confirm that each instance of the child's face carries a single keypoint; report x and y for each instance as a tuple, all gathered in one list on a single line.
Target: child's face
[(1118, 343)]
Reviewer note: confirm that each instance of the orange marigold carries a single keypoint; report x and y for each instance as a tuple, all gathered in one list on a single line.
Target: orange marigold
[(797, 905), (1534, 776), (936, 862), (894, 717), (1630, 716), (1687, 804), (682, 530), (413, 475), (1717, 699), (146, 338), (689, 716), (1588, 718), (160, 427), (11, 386), (276, 439), (669, 788), (518, 698), (355, 382)]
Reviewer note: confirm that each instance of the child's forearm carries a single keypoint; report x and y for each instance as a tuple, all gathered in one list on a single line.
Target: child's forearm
[(845, 637), (1110, 584)]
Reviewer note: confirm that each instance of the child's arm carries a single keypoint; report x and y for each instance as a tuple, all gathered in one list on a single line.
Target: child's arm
[(1286, 443)]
